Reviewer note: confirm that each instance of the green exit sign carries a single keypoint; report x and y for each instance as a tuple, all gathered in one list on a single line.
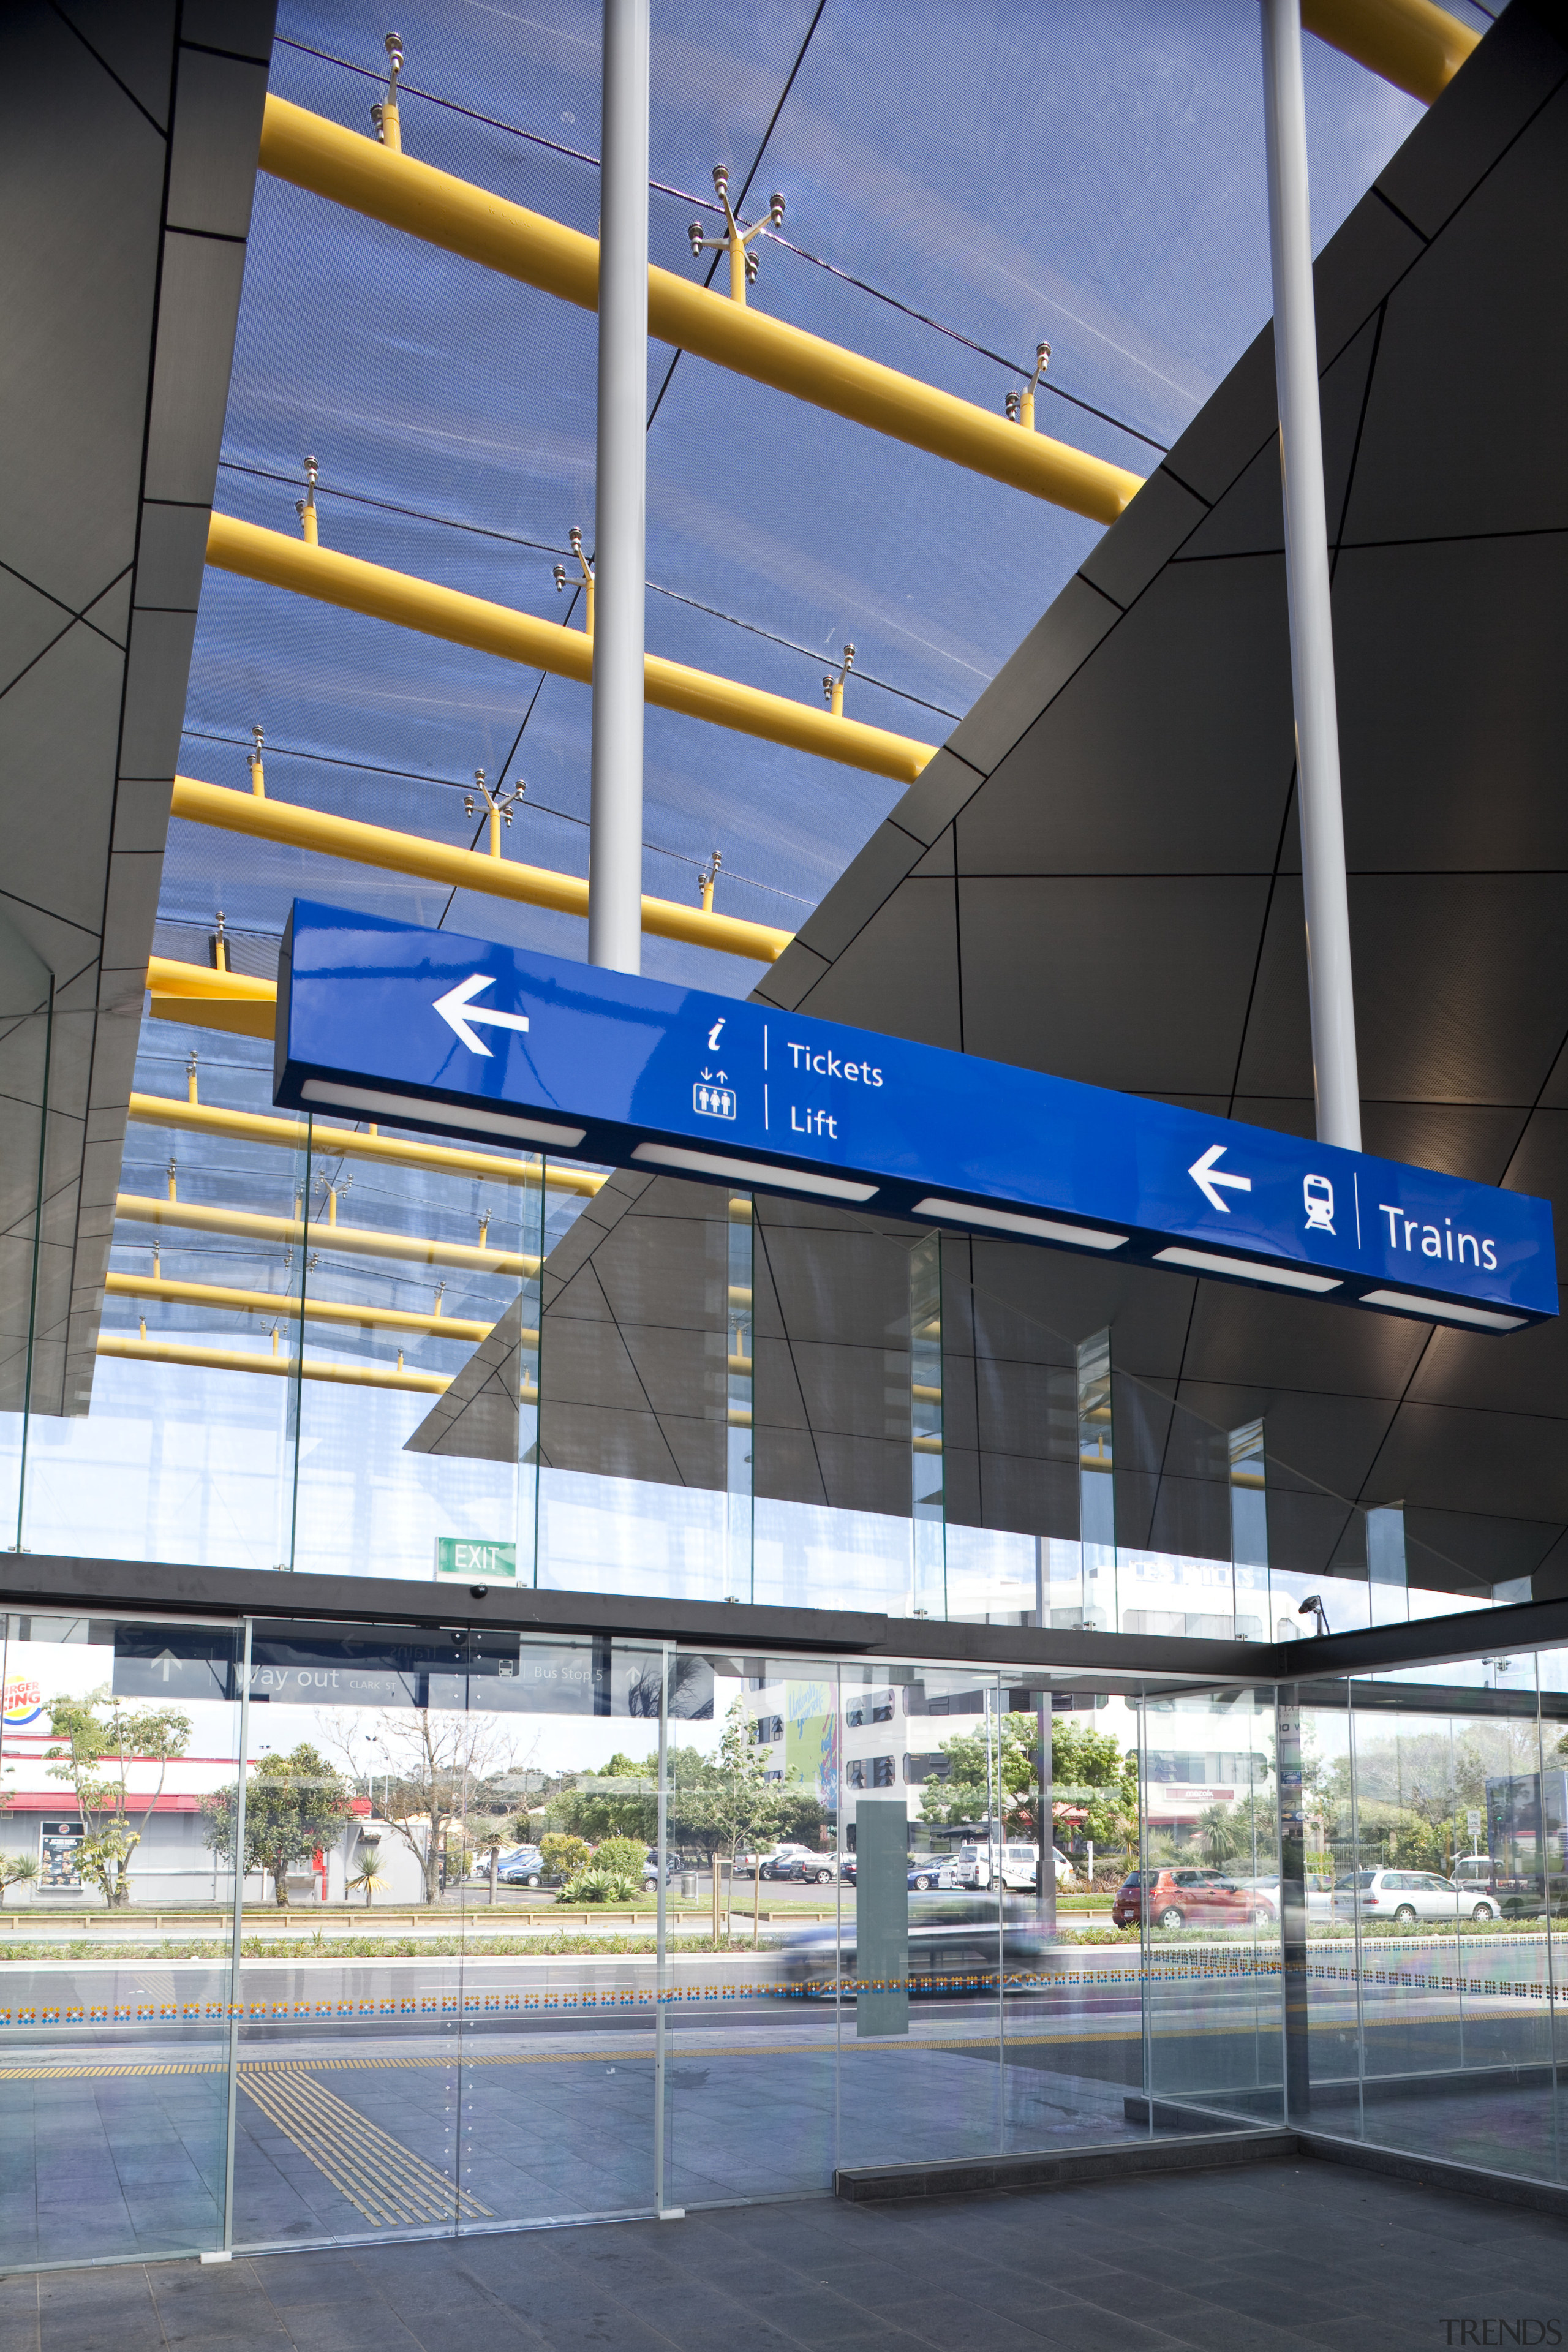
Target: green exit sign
[(477, 1564)]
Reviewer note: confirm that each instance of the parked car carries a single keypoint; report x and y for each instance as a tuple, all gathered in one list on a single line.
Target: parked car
[(930, 1870), (523, 1866), (849, 1869), (811, 1869), (1172, 1896), (952, 1953), (1406, 1895), (650, 1870), (775, 1862)]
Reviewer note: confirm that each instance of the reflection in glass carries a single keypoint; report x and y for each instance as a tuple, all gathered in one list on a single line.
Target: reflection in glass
[(927, 1503)]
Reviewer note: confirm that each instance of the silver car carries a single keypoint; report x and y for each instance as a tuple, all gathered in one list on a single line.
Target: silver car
[(1405, 1897)]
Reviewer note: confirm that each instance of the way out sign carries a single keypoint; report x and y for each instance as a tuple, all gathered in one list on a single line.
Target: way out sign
[(383, 1021)]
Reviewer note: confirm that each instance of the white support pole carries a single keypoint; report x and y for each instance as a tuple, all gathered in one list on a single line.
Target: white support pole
[(1329, 979), (615, 841)]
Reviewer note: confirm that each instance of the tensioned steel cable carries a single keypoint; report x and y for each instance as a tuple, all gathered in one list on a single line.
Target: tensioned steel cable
[(705, 203), (545, 547), (449, 783)]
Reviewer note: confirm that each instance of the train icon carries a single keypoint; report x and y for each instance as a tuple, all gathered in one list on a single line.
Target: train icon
[(1317, 1195)]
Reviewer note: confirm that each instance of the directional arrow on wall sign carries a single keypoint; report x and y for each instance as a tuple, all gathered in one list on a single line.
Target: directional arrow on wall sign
[(456, 1010), (1206, 1176), (166, 1658)]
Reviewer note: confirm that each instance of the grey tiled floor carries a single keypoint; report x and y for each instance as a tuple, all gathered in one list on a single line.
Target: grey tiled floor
[(1276, 2258)]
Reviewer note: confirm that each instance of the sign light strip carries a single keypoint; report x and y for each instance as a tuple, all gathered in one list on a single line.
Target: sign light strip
[(1443, 1310), (1039, 1229), (751, 1171), (415, 1111), (1248, 1269)]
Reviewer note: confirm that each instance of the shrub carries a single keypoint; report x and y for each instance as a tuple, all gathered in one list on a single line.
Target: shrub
[(623, 1856), (564, 1855), (594, 1886)]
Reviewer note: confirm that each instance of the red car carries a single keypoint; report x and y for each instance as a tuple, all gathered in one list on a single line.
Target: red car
[(1180, 1897)]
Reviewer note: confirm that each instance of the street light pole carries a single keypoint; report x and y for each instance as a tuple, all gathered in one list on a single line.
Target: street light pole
[(1329, 978), (615, 820)]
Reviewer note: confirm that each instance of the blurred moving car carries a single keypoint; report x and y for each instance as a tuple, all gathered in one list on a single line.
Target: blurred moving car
[(1406, 1895), (955, 1951), (1172, 1896)]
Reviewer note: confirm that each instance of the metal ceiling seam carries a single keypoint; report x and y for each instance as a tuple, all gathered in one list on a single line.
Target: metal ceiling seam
[(433, 205)]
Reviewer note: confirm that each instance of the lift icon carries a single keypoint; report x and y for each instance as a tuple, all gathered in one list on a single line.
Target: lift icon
[(713, 1102)]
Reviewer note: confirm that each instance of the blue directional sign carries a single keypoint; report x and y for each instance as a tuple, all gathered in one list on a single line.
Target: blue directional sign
[(381, 1020)]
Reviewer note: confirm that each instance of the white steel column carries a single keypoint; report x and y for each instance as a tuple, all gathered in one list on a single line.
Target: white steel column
[(1328, 977), (615, 841)]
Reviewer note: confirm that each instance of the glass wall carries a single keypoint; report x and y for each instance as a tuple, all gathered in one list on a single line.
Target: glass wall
[(349, 1347), (320, 1932)]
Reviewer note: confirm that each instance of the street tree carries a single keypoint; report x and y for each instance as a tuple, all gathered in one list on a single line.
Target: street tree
[(430, 1766), (96, 1744), (294, 1806), (994, 1774), (722, 1803)]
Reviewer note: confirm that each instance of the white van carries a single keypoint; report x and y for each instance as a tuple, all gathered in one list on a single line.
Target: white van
[(1015, 1865)]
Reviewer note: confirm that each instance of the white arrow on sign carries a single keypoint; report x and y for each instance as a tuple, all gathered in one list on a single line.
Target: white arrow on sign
[(166, 1658), (1206, 1176), (456, 1010)]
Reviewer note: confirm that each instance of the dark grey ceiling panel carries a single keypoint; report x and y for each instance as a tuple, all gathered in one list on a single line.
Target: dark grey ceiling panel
[(901, 972), (878, 869), (1120, 980), (1250, 517), (1159, 521), (937, 794), (120, 317), (1027, 680), (1478, 118), (1444, 712), (1103, 784), (1129, 905), (1441, 467), (1458, 983)]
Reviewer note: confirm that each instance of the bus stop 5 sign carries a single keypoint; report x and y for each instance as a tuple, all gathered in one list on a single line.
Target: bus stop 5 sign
[(384, 1021)]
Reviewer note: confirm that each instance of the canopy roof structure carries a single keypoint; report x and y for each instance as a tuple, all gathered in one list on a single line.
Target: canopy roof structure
[(876, 451)]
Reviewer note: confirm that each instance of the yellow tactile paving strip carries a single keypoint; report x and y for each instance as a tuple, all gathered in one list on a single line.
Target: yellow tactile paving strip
[(378, 2176)]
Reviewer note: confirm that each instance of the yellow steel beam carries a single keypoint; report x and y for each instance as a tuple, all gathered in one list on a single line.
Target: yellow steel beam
[(357, 1241), (464, 869), (288, 1134), (406, 194), (241, 1359), (1410, 43), (279, 1305), (334, 578), (228, 1001)]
